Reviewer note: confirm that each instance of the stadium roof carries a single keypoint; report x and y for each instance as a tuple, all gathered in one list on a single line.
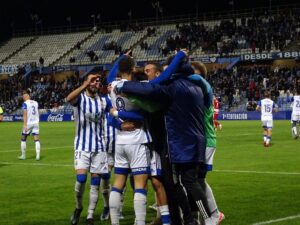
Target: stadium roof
[(24, 14)]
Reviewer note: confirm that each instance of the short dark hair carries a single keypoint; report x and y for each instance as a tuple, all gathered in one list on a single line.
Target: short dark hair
[(26, 91), (169, 60), (139, 75), (126, 65), (95, 70), (86, 76), (267, 94), (157, 66), (184, 67), (201, 67)]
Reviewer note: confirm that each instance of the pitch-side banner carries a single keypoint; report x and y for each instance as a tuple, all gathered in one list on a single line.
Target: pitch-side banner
[(282, 115), (271, 56), (53, 117), (8, 69)]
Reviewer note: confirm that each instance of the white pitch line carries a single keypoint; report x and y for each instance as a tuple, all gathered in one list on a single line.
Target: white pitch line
[(13, 150), (221, 171), (278, 220), (258, 172), (245, 134), (36, 164)]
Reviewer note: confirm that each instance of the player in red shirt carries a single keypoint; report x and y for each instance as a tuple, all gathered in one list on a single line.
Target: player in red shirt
[(216, 113)]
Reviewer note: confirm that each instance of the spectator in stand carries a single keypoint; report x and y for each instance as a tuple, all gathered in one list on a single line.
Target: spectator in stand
[(41, 61)]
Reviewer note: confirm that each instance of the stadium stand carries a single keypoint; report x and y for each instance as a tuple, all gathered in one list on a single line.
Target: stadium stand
[(50, 47), (238, 88), (99, 44), (12, 46)]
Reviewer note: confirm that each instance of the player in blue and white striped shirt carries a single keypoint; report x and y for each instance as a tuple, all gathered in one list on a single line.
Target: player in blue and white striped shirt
[(89, 144), (110, 143)]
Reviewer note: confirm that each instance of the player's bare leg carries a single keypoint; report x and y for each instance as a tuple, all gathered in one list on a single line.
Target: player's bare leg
[(163, 215)]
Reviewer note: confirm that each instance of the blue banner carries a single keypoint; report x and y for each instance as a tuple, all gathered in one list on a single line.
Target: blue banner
[(253, 115), (56, 117), (271, 56), (52, 117), (8, 69), (282, 115)]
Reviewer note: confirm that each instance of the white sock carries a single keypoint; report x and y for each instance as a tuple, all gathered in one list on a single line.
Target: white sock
[(122, 200), (79, 190), (94, 195), (157, 211), (294, 129), (265, 138), (212, 205), (38, 149), (114, 206), (209, 221), (165, 214), (105, 187), (23, 148), (140, 202)]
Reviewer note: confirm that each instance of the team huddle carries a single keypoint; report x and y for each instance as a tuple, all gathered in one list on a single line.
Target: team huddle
[(157, 123), (134, 110)]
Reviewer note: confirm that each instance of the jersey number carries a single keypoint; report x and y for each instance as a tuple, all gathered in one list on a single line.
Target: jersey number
[(77, 155), (298, 104), (268, 108), (33, 110)]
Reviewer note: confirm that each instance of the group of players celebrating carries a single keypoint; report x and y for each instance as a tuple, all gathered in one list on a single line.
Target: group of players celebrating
[(157, 123)]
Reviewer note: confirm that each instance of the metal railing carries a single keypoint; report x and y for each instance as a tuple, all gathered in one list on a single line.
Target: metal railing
[(208, 16)]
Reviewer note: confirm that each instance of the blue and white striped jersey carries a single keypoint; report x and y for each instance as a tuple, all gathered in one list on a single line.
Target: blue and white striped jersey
[(89, 116), (109, 133)]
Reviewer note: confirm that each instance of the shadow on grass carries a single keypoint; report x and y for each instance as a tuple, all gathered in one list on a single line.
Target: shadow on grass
[(127, 220)]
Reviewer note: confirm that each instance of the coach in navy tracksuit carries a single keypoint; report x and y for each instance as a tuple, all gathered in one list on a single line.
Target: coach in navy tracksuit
[(183, 106)]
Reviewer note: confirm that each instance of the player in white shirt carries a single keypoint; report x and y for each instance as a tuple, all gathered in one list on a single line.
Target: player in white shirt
[(132, 154), (30, 124), (267, 107), (296, 113), (89, 145)]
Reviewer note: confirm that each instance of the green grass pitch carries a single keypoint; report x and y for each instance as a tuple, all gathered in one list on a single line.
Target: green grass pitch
[(252, 184)]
